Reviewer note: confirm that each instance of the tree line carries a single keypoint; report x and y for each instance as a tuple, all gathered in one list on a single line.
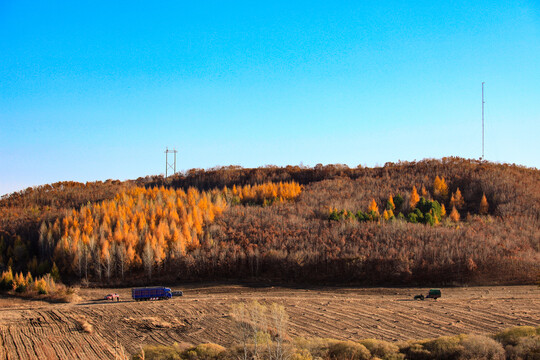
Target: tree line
[(265, 232)]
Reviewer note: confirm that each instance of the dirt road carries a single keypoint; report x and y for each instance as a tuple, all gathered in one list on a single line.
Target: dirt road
[(34, 329)]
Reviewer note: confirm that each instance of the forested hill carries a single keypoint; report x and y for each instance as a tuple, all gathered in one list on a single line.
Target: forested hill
[(443, 221)]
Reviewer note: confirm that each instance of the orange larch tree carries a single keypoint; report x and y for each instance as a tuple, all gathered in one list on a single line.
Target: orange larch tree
[(457, 200), (484, 206), (373, 207), (424, 192), (415, 198), (454, 215), (440, 188), (390, 203)]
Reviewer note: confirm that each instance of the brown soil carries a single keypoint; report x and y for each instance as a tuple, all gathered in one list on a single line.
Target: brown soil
[(36, 329)]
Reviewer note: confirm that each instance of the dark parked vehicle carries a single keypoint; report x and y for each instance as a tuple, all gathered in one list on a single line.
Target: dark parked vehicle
[(151, 293), (433, 294)]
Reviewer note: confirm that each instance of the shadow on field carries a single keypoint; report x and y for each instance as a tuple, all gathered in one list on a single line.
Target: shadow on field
[(102, 302)]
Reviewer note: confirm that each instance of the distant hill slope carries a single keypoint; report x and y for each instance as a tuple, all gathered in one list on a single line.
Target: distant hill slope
[(394, 224)]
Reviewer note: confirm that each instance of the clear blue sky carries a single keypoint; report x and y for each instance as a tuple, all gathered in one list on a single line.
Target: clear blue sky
[(96, 90)]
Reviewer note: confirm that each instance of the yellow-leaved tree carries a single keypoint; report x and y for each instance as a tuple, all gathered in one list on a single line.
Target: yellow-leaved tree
[(484, 206), (457, 200), (440, 188), (388, 214), (414, 198), (373, 207), (390, 203), (424, 192), (454, 215)]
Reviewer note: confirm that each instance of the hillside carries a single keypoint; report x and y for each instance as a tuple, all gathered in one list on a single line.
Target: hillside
[(446, 221)]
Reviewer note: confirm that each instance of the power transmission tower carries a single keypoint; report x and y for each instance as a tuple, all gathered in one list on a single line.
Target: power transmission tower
[(483, 102), (167, 165)]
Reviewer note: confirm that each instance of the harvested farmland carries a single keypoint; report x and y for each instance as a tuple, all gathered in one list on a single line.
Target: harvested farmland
[(31, 329)]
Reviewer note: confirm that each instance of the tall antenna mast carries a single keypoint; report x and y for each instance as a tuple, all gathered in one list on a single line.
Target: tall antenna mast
[(483, 120), (167, 165)]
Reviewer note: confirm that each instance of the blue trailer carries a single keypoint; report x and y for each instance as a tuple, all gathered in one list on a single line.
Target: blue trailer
[(151, 293)]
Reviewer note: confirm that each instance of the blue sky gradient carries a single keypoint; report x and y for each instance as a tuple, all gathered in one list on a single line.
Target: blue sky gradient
[(97, 90)]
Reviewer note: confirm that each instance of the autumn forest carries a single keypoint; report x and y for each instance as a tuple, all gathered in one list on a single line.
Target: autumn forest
[(448, 221)]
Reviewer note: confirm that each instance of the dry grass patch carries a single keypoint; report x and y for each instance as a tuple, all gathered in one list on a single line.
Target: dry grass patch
[(513, 335), (463, 347), (348, 350), (481, 347), (84, 325), (520, 342), (64, 295), (153, 322), (459, 347), (159, 352), (157, 322), (382, 349), (208, 351), (527, 348)]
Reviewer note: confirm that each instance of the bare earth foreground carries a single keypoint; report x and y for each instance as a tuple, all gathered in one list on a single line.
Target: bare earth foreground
[(38, 330)]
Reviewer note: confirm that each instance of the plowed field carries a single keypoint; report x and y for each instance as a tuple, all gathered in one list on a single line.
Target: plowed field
[(39, 330)]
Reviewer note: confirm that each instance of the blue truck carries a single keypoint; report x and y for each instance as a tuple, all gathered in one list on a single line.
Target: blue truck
[(151, 293)]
